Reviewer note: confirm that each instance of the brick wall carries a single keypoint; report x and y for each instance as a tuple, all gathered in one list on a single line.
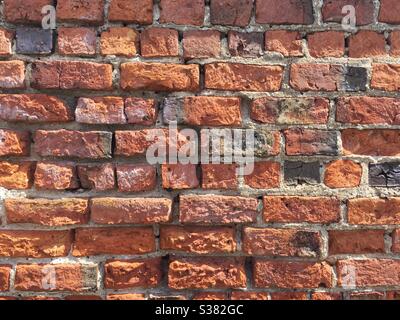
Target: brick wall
[(85, 216)]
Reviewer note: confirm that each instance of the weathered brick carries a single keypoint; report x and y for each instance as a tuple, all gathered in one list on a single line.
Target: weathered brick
[(123, 274), (159, 42), (56, 176), (384, 174), (179, 176), (100, 110), (373, 211), (33, 108), (119, 42), (394, 41), (343, 174), (200, 240), (186, 12), (245, 44), (281, 242), (297, 172), (219, 176), (389, 11), (231, 12), (355, 79), (364, 11), (58, 212), (284, 11), (396, 241), (379, 142), (290, 110), (243, 77), (159, 76), (192, 273), (266, 175), (24, 11), (287, 296), (138, 11), (326, 296), (16, 175), (98, 241), (91, 12), (385, 77), (326, 44), (34, 40), (209, 296), (301, 141), (56, 277), (6, 42), (212, 209), (356, 241), (322, 210), (76, 41), (249, 295), (126, 296), (283, 274), (130, 211), (141, 111), (136, 177), (66, 143), (370, 295), (34, 243), (316, 77), (369, 272), (134, 143), (96, 176), (12, 74), (5, 271), (199, 44), (287, 43), (367, 44), (69, 75), (14, 143)]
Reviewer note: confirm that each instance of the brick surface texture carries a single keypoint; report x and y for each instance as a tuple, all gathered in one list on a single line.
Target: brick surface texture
[(317, 219)]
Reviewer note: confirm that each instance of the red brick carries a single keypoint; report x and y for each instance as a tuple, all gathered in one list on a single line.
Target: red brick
[(56, 176), (396, 241), (389, 11), (374, 211), (200, 240), (98, 241), (243, 77), (136, 177), (364, 10), (369, 272), (209, 296), (134, 143), (343, 174), (141, 111), (186, 12), (47, 212), (326, 44), (69, 75), (34, 243), (6, 42), (76, 41), (249, 295), (82, 297), (126, 296), (371, 295), (301, 141), (33, 108), (326, 296), (290, 110), (24, 11), (159, 76), (130, 211), (287, 43), (284, 12), (123, 274), (356, 241), (367, 44), (67, 277), (96, 176), (315, 77), (289, 296), (231, 12), (14, 143), (392, 295), (192, 273), (100, 110), (138, 11), (301, 209), (159, 42), (385, 77), (5, 271), (12, 74), (81, 11), (219, 176), (16, 175), (291, 275), (119, 42), (213, 209), (377, 142), (64, 143), (395, 43), (198, 44), (245, 44), (266, 175), (179, 176)]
